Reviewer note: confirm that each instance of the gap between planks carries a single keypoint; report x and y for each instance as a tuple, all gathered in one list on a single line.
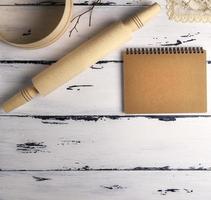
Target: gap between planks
[(86, 168), (166, 118), (49, 62)]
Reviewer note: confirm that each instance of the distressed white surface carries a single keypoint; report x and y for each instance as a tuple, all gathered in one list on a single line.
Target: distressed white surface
[(104, 143), (92, 185), (101, 96), (109, 142)]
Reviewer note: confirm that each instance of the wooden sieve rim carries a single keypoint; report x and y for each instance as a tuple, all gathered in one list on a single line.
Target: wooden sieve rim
[(53, 36)]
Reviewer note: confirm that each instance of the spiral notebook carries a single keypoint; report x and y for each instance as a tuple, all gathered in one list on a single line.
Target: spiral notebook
[(165, 80)]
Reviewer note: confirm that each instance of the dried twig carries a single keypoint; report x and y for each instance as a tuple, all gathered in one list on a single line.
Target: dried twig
[(78, 17)]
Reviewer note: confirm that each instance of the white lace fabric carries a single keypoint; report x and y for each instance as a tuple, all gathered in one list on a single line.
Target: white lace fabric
[(189, 10)]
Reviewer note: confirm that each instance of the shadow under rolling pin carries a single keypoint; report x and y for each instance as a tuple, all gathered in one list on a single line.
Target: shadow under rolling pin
[(81, 58)]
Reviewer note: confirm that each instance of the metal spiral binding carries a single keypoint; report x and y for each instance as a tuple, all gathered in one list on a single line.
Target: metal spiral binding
[(165, 50)]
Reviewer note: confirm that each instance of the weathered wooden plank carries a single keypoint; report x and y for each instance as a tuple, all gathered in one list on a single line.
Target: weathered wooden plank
[(159, 32), (96, 91), (105, 185), (85, 94), (104, 142), (97, 94)]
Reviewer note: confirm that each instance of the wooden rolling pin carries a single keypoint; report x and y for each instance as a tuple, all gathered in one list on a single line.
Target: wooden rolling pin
[(82, 57)]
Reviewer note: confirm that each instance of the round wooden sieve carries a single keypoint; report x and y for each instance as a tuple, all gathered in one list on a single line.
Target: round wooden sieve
[(47, 38)]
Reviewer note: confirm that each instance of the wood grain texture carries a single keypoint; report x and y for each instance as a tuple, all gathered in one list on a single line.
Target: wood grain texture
[(104, 142), (76, 142), (105, 185)]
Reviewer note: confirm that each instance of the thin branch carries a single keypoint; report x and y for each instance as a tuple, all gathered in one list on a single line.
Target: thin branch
[(90, 18), (78, 17)]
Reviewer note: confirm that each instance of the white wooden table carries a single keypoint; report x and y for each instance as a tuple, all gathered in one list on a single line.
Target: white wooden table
[(77, 143)]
